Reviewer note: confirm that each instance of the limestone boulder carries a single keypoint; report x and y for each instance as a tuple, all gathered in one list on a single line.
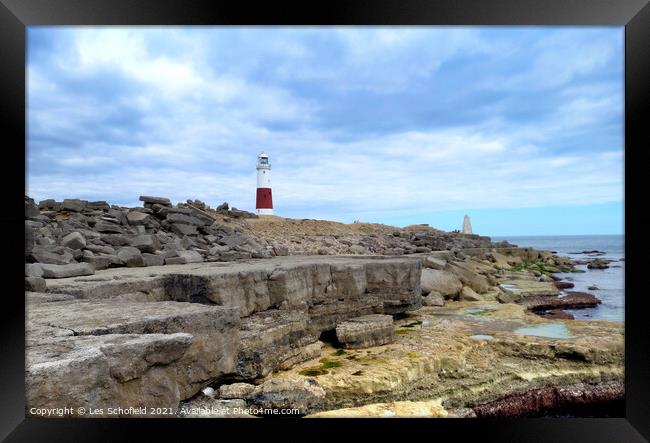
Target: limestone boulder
[(74, 240), (234, 255), (33, 270), (31, 209), (508, 297), (236, 390), (116, 239), (153, 259), (49, 205), (280, 250), (434, 263), (564, 284), (528, 287), (130, 256), (29, 240), (233, 240), (146, 243), (162, 211), (442, 282), (100, 262), (303, 393), (597, 263), (218, 250), (100, 204), (43, 241), (139, 218), (155, 200), (118, 215), (468, 294), (111, 227), (366, 331), (573, 300), (73, 205), (500, 260), (184, 219), (184, 257), (51, 254), (238, 213), (469, 277), (433, 299), (184, 229), (35, 284), (64, 271)]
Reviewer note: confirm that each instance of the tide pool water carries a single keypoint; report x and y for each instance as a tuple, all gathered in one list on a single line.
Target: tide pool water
[(481, 337), (548, 330), (475, 311)]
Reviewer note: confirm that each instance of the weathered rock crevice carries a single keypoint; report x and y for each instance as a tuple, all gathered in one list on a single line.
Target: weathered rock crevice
[(187, 288)]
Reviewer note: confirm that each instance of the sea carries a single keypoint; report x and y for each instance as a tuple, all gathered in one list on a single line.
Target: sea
[(611, 281)]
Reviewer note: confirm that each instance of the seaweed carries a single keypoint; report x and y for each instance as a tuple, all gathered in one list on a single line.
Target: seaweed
[(327, 364), (313, 372), (413, 324)]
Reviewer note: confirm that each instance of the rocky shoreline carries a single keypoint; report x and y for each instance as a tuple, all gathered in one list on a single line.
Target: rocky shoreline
[(199, 311)]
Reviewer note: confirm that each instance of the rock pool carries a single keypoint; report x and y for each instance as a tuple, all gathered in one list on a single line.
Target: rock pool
[(548, 330), (481, 337)]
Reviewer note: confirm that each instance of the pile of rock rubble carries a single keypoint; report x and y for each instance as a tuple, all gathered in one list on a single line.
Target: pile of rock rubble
[(76, 237)]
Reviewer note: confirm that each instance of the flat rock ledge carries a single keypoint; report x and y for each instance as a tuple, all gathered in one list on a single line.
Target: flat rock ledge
[(154, 337), (366, 331), (539, 401), (572, 300), (101, 354)]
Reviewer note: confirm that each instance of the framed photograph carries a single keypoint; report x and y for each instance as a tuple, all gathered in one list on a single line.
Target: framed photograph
[(406, 211)]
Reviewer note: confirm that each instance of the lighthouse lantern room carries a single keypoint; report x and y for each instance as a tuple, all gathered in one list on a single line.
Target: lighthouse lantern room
[(264, 201)]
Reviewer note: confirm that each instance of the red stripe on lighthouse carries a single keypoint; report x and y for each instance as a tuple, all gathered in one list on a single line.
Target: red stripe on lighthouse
[(264, 199)]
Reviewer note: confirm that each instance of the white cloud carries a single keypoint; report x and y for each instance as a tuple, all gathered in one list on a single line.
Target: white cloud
[(196, 128)]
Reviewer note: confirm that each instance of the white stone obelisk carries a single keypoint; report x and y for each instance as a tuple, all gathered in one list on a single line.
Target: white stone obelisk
[(467, 225)]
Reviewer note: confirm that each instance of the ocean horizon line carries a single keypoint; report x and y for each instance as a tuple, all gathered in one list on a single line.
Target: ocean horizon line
[(556, 235)]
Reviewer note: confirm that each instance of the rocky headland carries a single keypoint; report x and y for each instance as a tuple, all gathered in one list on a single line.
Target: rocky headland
[(184, 310)]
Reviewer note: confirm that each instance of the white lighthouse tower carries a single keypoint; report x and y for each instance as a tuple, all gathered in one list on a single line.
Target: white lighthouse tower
[(264, 201)]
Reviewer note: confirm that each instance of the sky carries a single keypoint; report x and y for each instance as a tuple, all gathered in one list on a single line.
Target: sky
[(521, 128)]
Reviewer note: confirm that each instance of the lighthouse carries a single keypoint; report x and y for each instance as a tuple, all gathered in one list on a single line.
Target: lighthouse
[(264, 202)]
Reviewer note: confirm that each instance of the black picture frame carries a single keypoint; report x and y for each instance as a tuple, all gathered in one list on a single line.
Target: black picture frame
[(16, 15)]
